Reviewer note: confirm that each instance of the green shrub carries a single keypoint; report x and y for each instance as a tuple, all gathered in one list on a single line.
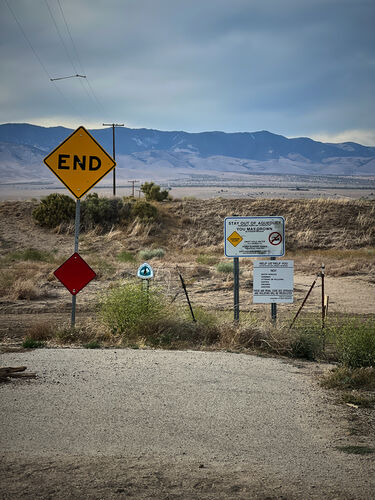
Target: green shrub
[(225, 267), (152, 192), (105, 212), (151, 253), (55, 209), (307, 345), (343, 377), (31, 254), (356, 343), (125, 256), (127, 308), (207, 260), (32, 344), (146, 212), (94, 344)]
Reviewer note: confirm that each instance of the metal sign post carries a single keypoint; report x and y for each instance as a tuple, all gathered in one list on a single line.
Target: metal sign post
[(273, 307), (76, 242), (146, 273), (236, 287)]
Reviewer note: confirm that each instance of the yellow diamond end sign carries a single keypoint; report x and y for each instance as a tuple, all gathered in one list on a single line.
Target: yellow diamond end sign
[(235, 238), (79, 162)]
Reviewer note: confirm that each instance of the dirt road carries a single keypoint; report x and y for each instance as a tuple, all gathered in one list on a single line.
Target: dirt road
[(168, 424)]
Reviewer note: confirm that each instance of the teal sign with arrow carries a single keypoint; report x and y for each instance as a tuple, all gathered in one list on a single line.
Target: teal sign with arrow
[(145, 271)]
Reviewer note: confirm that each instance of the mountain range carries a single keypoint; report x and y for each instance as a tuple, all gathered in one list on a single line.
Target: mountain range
[(145, 154)]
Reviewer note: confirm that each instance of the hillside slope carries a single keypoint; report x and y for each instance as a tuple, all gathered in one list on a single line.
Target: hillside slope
[(158, 155)]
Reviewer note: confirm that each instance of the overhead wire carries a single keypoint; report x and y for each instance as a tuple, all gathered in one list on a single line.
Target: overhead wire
[(78, 57), (66, 50), (70, 104)]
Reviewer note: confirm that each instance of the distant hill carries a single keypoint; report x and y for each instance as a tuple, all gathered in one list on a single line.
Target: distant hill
[(156, 155)]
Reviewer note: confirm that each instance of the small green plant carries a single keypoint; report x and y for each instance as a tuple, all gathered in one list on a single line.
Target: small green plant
[(355, 398), (146, 212), (305, 347), (125, 256), (32, 344), (31, 254), (356, 343), (151, 253), (94, 344), (206, 260), (54, 210), (343, 377), (153, 192), (225, 267), (356, 450), (70, 335)]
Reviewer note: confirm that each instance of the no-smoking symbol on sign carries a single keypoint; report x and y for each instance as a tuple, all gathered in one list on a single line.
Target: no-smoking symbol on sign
[(275, 238)]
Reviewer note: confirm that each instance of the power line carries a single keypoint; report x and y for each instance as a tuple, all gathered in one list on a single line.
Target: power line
[(66, 51), (70, 104), (99, 104), (60, 36), (71, 38)]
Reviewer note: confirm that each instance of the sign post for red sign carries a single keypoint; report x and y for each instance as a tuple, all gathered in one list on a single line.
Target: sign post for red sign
[(79, 162)]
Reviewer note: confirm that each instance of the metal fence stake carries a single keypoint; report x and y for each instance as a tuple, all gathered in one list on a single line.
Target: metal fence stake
[(303, 303), (187, 296)]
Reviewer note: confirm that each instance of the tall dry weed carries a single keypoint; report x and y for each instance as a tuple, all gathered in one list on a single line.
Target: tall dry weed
[(24, 289)]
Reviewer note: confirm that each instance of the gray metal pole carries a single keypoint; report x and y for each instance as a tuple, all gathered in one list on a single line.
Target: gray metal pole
[(273, 306), (76, 241), (236, 279)]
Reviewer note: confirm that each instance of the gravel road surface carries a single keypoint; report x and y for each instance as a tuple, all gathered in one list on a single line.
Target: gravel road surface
[(169, 424)]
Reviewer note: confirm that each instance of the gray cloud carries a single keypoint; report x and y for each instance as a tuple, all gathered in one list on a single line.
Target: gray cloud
[(294, 67)]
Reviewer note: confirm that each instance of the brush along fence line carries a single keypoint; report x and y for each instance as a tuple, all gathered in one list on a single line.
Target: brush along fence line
[(213, 290)]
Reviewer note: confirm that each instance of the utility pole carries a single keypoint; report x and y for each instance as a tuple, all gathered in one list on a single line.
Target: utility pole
[(113, 125), (133, 182)]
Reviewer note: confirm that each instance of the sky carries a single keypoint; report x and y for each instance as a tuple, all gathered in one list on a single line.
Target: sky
[(292, 67)]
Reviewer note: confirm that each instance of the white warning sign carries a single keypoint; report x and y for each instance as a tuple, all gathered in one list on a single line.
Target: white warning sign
[(273, 281), (254, 236)]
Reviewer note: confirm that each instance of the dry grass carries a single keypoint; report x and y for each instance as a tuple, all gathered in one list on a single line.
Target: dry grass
[(24, 289), (347, 378), (310, 224), (41, 331)]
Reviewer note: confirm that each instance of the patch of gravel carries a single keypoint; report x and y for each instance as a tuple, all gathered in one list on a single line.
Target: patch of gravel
[(170, 424)]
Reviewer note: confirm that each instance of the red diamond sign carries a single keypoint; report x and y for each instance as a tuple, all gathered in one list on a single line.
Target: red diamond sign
[(75, 274)]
